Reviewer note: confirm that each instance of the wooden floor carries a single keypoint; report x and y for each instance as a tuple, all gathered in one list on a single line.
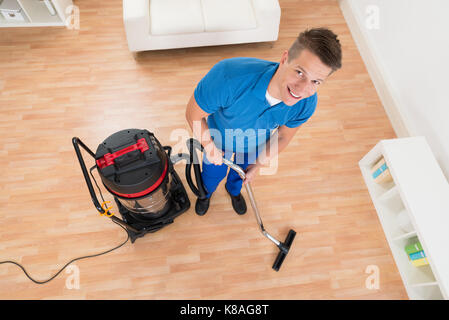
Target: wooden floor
[(57, 83)]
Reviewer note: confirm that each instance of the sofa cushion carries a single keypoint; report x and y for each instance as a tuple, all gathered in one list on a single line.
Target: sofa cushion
[(228, 15), (176, 16)]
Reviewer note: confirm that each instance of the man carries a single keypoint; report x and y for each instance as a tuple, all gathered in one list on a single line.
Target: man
[(242, 100)]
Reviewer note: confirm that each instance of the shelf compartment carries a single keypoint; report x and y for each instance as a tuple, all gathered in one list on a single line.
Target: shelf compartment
[(405, 236), (38, 15), (394, 216), (385, 187), (38, 12), (376, 189), (389, 193), (4, 20), (426, 292), (414, 276)]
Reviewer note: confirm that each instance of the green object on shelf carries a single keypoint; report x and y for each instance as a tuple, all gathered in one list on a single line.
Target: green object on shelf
[(413, 248)]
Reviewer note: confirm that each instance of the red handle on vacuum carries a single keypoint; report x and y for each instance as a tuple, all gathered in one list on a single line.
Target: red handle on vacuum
[(109, 159)]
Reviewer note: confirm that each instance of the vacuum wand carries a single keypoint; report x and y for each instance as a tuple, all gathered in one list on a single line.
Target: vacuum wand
[(284, 247)]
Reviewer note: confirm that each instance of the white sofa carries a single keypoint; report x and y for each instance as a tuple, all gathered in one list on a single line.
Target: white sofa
[(168, 24)]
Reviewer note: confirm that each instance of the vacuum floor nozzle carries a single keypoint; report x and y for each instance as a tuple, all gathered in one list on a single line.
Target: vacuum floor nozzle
[(284, 248)]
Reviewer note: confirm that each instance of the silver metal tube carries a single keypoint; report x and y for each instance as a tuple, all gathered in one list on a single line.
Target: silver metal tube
[(249, 190), (178, 157)]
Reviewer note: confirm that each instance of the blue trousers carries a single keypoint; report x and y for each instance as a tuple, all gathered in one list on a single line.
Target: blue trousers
[(213, 174)]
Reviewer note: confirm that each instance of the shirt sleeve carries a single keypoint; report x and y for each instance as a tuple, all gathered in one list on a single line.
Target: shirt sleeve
[(305, 112), (213, 91)]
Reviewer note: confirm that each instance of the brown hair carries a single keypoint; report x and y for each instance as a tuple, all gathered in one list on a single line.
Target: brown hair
[(320, 41)]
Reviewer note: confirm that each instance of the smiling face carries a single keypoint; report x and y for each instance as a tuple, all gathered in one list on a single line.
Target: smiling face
[(299, 78)]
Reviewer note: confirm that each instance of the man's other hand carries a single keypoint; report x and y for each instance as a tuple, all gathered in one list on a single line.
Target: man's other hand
[(213, 154), (251, 173)]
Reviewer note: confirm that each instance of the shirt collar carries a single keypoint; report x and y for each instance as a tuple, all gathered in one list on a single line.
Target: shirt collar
[(261, 86)]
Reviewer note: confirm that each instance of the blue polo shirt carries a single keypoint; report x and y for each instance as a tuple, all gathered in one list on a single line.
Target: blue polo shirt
[(240, 117)]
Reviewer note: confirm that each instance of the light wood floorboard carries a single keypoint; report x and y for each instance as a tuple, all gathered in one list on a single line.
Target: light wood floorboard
[(57, 83)]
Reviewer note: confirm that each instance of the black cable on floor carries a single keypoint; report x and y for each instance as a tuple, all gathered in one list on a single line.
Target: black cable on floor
[(76, 259)]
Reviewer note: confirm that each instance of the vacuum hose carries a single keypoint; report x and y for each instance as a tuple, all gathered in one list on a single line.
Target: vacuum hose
[(192, 160)]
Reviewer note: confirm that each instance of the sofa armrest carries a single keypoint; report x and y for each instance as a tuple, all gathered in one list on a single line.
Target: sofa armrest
[(136, 18)]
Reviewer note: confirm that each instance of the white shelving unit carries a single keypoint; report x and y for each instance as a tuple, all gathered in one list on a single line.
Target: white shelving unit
[(420, 189), (38, 15)]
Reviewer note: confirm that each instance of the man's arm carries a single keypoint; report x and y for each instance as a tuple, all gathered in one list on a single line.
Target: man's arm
[(284, 135), (196, 117)]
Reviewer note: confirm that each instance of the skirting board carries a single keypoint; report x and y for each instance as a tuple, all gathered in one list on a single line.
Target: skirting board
[(373, 64)]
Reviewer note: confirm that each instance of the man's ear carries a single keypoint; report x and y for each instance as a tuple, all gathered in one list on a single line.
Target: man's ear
[(284, 57)]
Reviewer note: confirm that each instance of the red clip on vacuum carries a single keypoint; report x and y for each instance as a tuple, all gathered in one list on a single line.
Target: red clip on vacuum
[(284, 247)]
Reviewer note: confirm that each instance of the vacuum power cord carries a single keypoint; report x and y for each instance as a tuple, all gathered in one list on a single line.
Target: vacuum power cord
[(76, 259)]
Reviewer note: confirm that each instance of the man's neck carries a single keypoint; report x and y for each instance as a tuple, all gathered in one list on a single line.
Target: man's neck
[(273, 88)]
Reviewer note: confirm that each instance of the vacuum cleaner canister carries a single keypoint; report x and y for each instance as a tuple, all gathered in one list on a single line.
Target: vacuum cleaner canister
[(133, 166), (138, 172)]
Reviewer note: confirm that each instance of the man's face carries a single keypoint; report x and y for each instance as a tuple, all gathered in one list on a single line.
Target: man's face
[(299, 78)]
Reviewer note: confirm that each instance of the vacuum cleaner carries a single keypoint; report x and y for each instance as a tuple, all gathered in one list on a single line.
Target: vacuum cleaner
[(138, 172)]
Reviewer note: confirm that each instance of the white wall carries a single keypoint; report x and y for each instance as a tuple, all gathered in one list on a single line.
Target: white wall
[(405, 45)]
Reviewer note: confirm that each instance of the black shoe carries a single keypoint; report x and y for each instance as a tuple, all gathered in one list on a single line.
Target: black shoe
[(238, 203), (201, 206)]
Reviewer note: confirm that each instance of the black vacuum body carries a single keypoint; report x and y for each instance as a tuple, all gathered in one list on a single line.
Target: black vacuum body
[(137, 170)]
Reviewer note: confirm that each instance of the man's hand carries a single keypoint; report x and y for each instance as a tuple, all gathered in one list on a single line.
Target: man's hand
[(251, 173), (213, 154)]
